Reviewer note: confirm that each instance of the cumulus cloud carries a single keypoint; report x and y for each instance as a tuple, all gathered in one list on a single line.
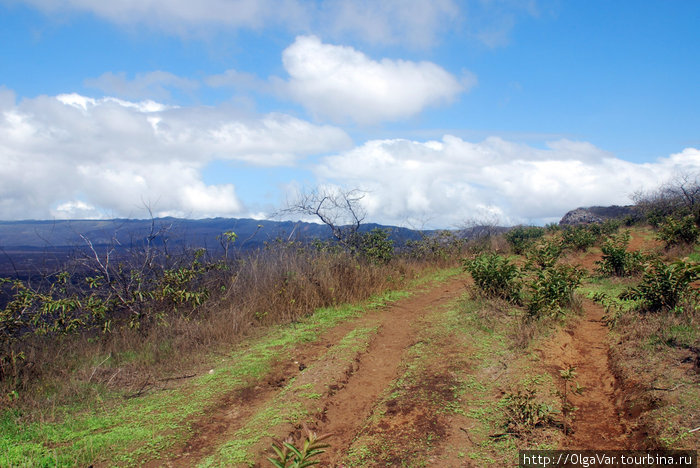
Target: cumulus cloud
[(74, 156), (340, 82), (453, 180)]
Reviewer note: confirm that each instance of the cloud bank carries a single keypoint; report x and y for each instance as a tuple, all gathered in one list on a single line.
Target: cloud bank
[(342, 83), (74, 156), (447, 182)]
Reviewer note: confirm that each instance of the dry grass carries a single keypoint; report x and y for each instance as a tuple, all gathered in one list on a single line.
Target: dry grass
[(279, 284)]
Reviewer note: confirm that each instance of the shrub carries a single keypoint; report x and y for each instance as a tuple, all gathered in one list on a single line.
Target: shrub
[(664, 285), (376, 246), (521, 237), (552, 289), (678, 231), (544, 254), (495, 276), (580, 237), (617, 261)]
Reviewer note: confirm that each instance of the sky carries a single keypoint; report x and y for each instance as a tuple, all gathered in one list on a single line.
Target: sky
[(444, 112)]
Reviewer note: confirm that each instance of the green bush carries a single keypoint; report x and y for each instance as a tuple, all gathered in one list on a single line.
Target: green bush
[(552, 289), (495, 276), (544, 254), (376, 246), (524, 412), (678, 231), (664, 285), (617, 261), (521, 237), (580, 237)]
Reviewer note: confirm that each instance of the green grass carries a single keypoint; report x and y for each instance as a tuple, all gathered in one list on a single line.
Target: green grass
[(125, 432)]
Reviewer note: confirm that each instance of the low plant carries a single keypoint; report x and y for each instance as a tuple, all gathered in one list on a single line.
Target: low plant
[(524, 412), (544, 254), (677, 231), (495, 276), (521, 237), (617, 261), (552, 289), (568, 375), (287, 455), (664, 285), (580, 237)]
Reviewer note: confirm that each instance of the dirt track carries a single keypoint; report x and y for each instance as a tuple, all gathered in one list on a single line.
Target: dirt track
[(352, 390)]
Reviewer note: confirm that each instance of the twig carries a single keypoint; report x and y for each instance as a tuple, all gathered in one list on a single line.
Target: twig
[(95, 369), (694, 430), (141, 391), (467, 433), (113, 376), (188, 376), (672, 389)]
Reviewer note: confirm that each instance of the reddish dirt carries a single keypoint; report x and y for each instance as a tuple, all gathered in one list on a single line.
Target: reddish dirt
[(346, 404), (346, 408), (600, 421)]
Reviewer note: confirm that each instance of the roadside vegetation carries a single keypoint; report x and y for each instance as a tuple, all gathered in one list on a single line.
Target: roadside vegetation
[(93, 351)]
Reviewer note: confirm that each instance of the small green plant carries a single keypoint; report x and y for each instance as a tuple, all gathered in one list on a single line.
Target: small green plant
[(580, 237), (664, 285), (552, 289), (544, 254), (524, 412), (678, 231), (287, 455), (521, 237), (495, 276), (617, 261), (568, 375)]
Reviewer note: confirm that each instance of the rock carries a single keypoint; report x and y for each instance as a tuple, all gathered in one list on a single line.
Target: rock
[(598, 214)]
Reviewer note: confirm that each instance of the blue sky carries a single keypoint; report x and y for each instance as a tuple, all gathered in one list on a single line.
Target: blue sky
[(443, 111)]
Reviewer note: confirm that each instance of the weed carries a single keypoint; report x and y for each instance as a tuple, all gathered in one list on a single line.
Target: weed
[(495, 276), (675, 231), (663, 285), (521, 237), (289, 456), (552, 289), (568, 375), (617, 261), (524, 412)]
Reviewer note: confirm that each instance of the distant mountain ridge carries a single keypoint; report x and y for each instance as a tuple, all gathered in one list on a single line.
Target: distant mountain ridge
[(28, 246)]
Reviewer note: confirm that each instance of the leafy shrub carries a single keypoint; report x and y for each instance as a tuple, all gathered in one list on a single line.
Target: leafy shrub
[(617, 261), (678, 231), (524, 412), (544, 254), (376, 246), (580, 237), (552, 289), (610, 226), (664, 285), (521, 237), (495, 276)]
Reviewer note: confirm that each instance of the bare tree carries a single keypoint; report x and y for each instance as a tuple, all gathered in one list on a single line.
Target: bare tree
[(679, 194), (341, 210)]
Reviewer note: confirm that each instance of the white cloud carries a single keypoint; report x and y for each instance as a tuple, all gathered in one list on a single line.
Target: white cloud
[(414, 22), (340, 82), (453, 180), (155, 85), (184, 15), (75, 156)]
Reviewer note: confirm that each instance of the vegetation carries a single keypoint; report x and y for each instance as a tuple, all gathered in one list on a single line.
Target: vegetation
[(495, 276), (664, 285), (617, 261), (552, 289), (521, 237)]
